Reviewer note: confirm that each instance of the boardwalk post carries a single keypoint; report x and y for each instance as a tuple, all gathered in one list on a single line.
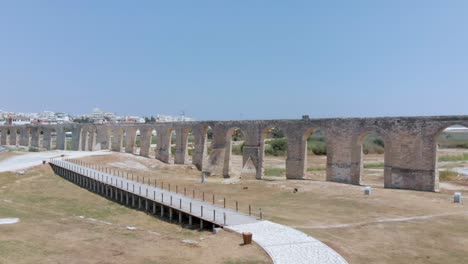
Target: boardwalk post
[(176, 189), (213, 199), (214, 215), (203, 196), (154, 195), (202, 211), (180, 217), (237, 206), (162, 210), (250, 210), (190, 207), (224, 218), (190, 220), (171, 199), (185, 191), (154, 207), (180, 203), (224, 202), (162, 197)]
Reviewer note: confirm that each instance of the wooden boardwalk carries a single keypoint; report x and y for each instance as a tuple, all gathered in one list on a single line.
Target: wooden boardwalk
[(154, 200)]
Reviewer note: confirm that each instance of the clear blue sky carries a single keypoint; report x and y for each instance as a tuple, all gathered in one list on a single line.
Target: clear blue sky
[(236, 59)]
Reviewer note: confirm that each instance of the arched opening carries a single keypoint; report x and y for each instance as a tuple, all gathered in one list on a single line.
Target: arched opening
[(190, 145), (53, 139), (68, 138), (8, 137), (208, 147), (172, 145), (451, 153), (275, 151), (137, 142), (41, 138), (372, 165), (123, 140), (316, 155), (153, 143), (236, 143), (86, 141), (18, 137)]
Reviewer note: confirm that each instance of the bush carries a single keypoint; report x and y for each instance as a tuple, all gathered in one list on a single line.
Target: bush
[(276, 147), (33, 149), (317, 147), (238, 149), (447, 175)]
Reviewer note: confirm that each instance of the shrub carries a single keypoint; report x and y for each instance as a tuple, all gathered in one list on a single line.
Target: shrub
[(274, 172), (447, 175), (238, 149), (276, 147), (33, 149)]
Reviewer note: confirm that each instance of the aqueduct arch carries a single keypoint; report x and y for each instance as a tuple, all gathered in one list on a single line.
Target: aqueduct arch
[(410, 144)]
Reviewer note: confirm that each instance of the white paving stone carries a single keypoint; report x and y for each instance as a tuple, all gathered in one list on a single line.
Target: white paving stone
[(286, 245)]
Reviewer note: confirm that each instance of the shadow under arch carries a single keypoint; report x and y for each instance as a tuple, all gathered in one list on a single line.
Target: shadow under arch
[(358, 152), (235, 143), (273, 144)]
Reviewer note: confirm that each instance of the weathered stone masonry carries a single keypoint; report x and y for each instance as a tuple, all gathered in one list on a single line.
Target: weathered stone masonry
[(410, 144)]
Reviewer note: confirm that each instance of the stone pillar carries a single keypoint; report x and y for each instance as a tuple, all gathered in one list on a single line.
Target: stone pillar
[(102, 137), (84, 138), (163, 150), (340, 164), (145, 140), (297, 150), (47, 138), (130, 137), (181, 145), (4, 138), (34, 136), (117, 138), (13, 140), (61, 137), (216, 160), (76, 138), (410, 161), (24, 139), (200, 151), (91, 139)]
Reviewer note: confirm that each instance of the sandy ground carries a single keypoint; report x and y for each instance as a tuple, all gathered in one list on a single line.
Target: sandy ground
[(62, 223), (13, 161), (390, 226)]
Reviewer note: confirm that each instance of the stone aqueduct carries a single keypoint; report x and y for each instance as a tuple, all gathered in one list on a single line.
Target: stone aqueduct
[(410, 144)]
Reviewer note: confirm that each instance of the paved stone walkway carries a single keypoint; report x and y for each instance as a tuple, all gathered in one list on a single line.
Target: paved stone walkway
[(285, 245)]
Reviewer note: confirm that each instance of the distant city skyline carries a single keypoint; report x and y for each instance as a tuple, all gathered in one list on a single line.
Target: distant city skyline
[(219, 60)]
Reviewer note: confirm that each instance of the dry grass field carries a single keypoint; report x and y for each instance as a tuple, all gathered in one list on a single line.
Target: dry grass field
[(390, 226), (62, 223)]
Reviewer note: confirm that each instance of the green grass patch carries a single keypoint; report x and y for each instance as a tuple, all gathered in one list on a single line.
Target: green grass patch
[(462, 157), (374, 165), (447, 175), (275, 172)]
